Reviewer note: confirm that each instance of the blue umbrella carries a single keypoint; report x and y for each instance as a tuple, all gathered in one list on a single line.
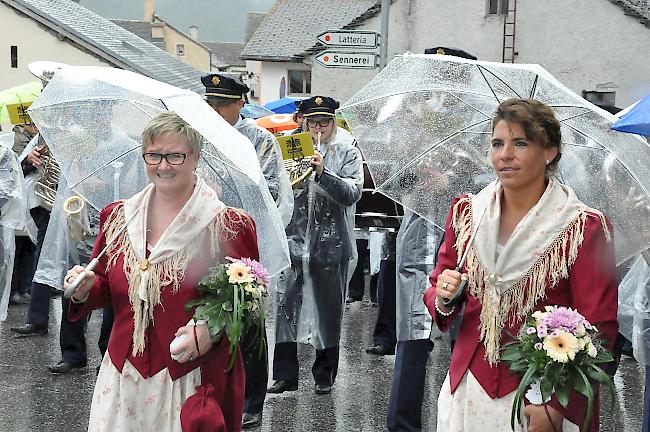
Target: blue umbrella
[(286, 105), (255, 111), (636, 120)]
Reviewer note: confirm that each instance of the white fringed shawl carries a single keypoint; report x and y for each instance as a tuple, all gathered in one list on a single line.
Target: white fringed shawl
[(539, 253), (202, 215)]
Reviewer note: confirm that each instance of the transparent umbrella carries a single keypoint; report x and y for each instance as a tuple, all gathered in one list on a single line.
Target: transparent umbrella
[(423, 125), (92, 118)]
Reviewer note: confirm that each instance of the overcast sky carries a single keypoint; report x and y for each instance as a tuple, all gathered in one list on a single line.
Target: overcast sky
[(218, 20)]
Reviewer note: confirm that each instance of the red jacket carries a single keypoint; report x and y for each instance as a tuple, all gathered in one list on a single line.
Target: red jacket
[(591, 288), (112, 289)]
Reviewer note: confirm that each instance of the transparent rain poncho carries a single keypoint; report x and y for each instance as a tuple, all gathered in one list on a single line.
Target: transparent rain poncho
[(634, 309), (13, 216), (82, 104), (417, 244), (424, 127), (269, 155), (311, 294), (69, 238)]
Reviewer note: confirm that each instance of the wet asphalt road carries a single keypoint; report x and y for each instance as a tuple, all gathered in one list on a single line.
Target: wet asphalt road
[(32, 399)]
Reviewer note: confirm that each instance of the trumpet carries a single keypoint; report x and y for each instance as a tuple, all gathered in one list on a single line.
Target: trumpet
[(77, 218), (301, 170)]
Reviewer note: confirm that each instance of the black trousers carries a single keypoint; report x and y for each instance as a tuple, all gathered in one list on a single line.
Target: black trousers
[(256, 367), (357, 284), (285, 363), (24, 265), (39, 303), (646, 401), (384, 333), (108, 316), (407, 390), (329, 279)]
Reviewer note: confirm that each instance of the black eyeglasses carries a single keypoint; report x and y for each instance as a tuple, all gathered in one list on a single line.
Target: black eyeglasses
[(314, 123), (171, 158)]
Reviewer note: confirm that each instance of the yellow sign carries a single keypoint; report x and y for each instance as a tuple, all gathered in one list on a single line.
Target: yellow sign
[(296, 146), (18, 113), (342, 124)]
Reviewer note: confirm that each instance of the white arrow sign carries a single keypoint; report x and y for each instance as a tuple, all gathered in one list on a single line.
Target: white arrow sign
[(352, 60), (349, 38)]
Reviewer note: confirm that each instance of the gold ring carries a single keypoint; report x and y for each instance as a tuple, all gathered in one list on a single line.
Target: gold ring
[(445, 285)]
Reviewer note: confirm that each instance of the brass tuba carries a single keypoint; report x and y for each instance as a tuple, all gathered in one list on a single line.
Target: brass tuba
[(48, 171), (300, 170), (77, 218)]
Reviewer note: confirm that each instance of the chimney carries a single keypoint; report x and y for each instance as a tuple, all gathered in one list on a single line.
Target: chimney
[(148, 10), (194, 32)]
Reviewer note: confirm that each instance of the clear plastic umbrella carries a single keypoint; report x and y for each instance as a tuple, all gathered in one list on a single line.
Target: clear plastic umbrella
[(92, 118), (423, 125)]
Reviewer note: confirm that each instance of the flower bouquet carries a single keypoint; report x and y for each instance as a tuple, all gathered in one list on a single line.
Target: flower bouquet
[(232, 300), (557, 350)]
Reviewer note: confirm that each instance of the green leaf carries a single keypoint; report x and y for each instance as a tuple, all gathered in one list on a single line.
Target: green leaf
[(516, 413), (563, 394), (589, 392), (512, 355)]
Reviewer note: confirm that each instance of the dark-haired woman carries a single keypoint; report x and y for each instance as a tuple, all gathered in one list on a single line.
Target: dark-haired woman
[(537, 245)]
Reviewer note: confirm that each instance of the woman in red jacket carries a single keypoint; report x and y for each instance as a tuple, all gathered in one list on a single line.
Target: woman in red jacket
[(180, 230), (537, 245)]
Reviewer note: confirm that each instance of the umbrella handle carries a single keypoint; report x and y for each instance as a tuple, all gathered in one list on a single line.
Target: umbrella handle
[(460, 294), (80, 278)]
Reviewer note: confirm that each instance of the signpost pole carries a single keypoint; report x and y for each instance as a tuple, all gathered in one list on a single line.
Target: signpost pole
[(383, 48)]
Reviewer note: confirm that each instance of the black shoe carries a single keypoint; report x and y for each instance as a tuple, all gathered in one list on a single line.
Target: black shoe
[(250, 421), (64, 367), (18, 299), (322, 389), (29, 330), (351, 299), (380, 350), (281, 386)]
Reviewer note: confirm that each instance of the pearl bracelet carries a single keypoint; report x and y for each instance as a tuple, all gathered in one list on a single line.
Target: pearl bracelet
[(440, 312), (82, 301)]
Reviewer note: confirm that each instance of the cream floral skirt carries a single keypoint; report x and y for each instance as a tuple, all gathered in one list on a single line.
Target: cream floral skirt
[(127, 402), (470, 409)]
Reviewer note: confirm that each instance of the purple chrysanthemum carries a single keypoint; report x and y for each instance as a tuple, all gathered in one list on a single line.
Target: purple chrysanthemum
[(258, 270), (539, 346), (563, 318), (531, 330)]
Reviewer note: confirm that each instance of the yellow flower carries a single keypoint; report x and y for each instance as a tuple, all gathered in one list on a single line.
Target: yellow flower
[(239, 273), (562, 347)]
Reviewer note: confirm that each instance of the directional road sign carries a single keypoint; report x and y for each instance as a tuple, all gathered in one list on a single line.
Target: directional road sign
[(351, 60), (349, 38)]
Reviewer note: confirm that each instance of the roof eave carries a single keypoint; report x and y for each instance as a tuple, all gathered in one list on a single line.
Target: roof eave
[(294, 59)]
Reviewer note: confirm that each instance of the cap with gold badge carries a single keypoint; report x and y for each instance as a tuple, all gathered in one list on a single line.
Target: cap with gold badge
[(450, 51), (319, 106), (220, 87)]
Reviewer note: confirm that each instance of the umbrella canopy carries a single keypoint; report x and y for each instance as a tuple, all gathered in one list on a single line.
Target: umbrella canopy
[(286, 105), (27, 92), (277, 123), (255, 111), (92, 119), (636, 120), (424, 127)]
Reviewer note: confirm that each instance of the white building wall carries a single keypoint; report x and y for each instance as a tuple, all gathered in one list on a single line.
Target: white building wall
[(592, 42), (271, 75), (588, 43), (34, 43)]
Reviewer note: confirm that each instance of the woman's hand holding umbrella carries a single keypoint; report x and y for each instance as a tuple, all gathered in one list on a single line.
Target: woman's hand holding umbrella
[(81, 292), (447, 285)]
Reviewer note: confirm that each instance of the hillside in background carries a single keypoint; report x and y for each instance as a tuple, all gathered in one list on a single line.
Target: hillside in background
[(218, 20)]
